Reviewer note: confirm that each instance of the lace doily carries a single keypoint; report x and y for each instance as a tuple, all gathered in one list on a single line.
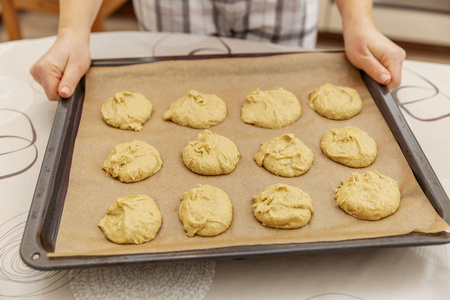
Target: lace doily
[(165, 281)]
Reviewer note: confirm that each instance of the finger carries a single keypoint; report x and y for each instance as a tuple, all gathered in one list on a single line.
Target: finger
[(70, 79), (49, 82), (391, 57), (48, 78), (50, 85), (34, 74), (395, 66), (396, 76), (376, 70)]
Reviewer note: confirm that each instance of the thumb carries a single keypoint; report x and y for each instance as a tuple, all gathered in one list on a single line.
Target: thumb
[(72, 75), (376, 70)]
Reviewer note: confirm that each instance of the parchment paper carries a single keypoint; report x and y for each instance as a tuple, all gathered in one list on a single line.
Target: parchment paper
[(91, 191)]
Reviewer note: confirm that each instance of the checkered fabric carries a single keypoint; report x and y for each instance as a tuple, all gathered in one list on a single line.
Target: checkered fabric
[(286, 22)]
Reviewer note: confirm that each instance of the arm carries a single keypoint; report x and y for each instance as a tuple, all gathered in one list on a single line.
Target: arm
[(366, 48), (60, 69)]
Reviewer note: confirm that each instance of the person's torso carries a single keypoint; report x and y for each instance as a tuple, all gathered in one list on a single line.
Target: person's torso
[(287, 22)]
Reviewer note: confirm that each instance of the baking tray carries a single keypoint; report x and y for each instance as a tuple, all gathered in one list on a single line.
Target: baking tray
[(42, 225)]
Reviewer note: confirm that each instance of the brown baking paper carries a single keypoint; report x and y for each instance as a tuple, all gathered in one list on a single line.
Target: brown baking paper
[(91, 192)]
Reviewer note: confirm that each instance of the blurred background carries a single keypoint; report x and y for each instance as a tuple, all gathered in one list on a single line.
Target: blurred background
[(422, 28)]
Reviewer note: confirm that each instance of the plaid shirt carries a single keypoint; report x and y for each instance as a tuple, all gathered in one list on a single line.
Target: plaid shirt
[(287, 22)]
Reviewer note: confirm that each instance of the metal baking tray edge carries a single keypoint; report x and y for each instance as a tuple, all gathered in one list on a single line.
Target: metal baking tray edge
[(42, 225)]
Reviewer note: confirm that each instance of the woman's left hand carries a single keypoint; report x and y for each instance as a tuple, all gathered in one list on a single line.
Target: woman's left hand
[(368, 49)]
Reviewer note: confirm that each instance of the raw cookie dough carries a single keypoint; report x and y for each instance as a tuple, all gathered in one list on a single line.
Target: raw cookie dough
[(131, 220), (211, 154), (283, 206), (133, 161), (127, 111), (285, 156), (371, 196), (205, 211), (197, 110), (335, 102), (271, 109), (349, 146)]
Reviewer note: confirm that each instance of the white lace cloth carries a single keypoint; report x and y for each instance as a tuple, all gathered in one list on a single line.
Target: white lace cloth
[(26, 118)]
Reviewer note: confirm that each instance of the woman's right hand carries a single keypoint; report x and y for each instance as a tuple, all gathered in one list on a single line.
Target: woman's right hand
[(60, 69)]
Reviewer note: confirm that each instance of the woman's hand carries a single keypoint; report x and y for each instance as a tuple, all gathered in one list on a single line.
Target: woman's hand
[(367, 49), (61, 68)]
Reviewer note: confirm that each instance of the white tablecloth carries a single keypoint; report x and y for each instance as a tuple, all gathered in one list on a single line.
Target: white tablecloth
[(26, 118)]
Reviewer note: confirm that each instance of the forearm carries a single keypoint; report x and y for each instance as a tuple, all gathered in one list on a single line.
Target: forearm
[(355, 13), (76, 17)]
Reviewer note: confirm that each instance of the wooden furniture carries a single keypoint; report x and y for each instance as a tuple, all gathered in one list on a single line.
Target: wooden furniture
[(10, 9)]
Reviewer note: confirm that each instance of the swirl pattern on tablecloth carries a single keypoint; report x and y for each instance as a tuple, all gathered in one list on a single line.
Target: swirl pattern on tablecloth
[(165, 281), (13, 144), (420, 98), (171, 41), (334, 296), (16, 95), (15, 276)]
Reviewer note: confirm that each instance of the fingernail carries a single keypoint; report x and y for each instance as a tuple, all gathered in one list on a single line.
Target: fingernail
[(65, 91), (385, 78)]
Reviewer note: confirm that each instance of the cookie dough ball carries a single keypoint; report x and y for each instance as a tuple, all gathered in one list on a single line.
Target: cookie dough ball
[(131, 220), (335, 102), (205, 211), (285, 156), (371, 196), (197, 110), (271, 109), (133, 161), (283, 206), (349, 146), (127, 111), (211, 154)]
